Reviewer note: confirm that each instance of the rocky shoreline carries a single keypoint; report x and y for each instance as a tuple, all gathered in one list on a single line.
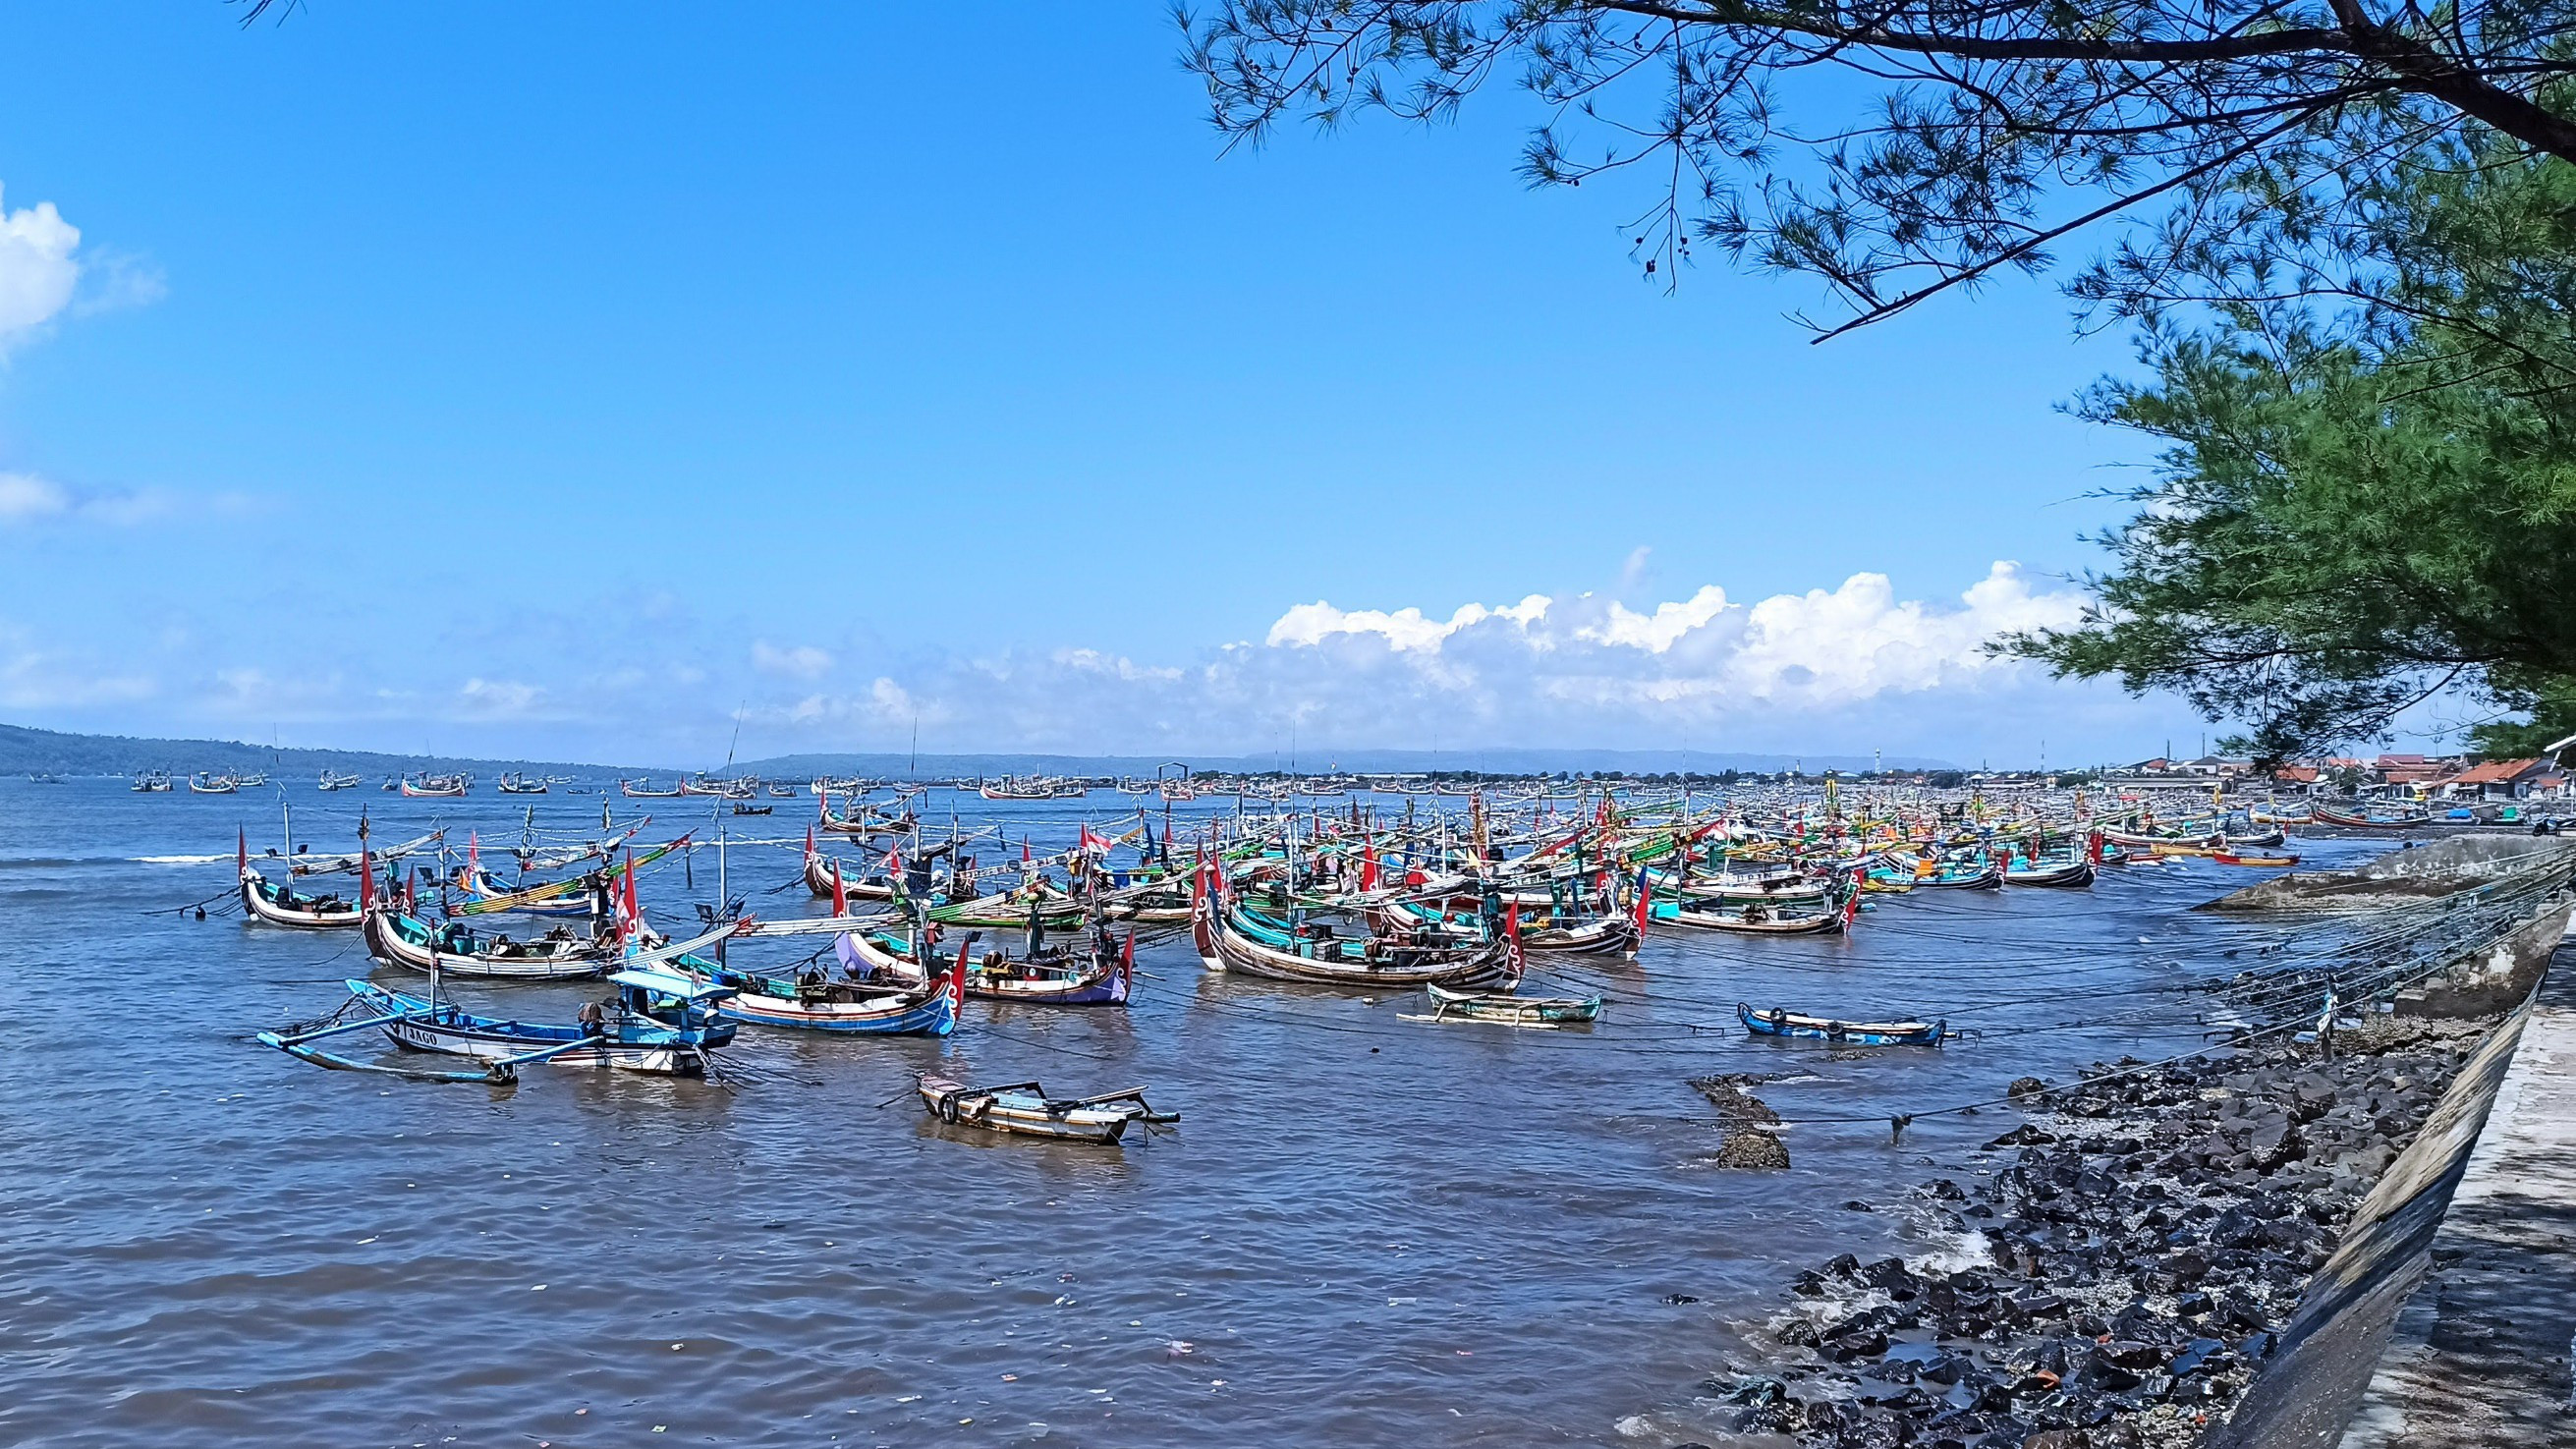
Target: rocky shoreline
[(2145, 1234)]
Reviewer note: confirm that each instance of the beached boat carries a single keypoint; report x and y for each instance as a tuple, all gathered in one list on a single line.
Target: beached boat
[(659, 1021), (1776, 1022), (2369, 820), (399, 938), (1025, 1109), (1506, 1009)]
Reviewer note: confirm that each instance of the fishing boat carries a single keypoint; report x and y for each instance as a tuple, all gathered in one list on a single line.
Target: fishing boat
[(513, 783), (202, 783), (1506, 1009), (741, 807), (2021, 870), (2369, 820), (1101, 975), (659, 1021), (782, 792), (1039, 789), (334, 780), (1024, 1108), (815, 1000), (1777, 1022), (155, 783), (2229, 857), (643, 790), (1236, 941), (280, 905), (399, 938), (1754, 919), (426, 786)]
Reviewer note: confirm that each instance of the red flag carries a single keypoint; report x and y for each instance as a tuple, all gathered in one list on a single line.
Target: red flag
[(366, 879), (840, 897), (241, 850), (1645, 904), (634, 913), (1127, 957), (1512, 936), (957, 981), (1368, 864), (1024, 850), (809, 842)]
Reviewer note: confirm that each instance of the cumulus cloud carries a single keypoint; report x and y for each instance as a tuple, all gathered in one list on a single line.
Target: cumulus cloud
[(800, 661), (28, 498), (1584, 670), (37, 269)]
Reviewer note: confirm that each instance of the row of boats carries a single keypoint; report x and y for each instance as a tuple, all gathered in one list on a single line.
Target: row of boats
[(1455, 909)]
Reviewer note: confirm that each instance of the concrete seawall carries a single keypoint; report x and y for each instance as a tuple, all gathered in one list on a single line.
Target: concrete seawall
[(2448, 1296)]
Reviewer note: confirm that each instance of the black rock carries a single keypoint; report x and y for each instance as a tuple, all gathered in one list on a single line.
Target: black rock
[(1890, 1275), (2026, 1087), (2199, 1354), (2192, 1305), (1679, 1298)]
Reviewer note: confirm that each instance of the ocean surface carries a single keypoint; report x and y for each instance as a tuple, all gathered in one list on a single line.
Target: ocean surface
[(1365, 1230)]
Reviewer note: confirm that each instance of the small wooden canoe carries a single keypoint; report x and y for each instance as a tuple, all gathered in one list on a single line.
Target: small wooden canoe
[(1026, 1109), (1505, 1009), (1776, 1022), (2231, 858)]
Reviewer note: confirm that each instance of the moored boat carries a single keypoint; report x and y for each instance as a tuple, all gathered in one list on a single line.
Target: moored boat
[(1024, 1108), (1776, 1022)]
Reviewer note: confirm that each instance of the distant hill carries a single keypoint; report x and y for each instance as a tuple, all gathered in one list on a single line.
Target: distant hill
[(28, 751), (32, 751), (1489, 761)]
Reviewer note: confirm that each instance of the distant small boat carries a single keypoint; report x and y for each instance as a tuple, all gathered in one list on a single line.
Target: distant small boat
[(155, 783), (1025, 1108), (643, 790), (517, 784), (741, 808), (436, 787), (334, 780), (1776, 1022), (205, 784)]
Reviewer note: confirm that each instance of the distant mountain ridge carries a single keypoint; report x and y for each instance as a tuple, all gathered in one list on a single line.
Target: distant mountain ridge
[(31, 751)]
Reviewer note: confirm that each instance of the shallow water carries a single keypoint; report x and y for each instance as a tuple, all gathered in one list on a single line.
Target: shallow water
[(1365, 1231)]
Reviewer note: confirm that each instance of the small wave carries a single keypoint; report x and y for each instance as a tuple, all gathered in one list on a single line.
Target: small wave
[(179, 859)]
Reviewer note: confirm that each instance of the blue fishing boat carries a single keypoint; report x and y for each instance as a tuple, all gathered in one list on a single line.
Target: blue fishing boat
[(1776, 1022), (659, 1021)]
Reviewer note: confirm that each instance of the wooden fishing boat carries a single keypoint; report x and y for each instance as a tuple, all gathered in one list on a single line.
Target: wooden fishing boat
[(1748, 920), (399, 938), (1025, 1109), (1505, 1009), (279, 905), (1776, 1022), (745, 808), (815, 1000), (1230, 942), (2229, 857), (1100, 975), (333, 780), (202, 783), (517, 784), (156, 782), (643, 790), (2023, 871), (659, 1021), (426, 786), (2328, 815)]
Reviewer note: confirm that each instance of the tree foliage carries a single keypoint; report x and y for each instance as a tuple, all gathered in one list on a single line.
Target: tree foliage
[(1897, 148), (2366, 504)]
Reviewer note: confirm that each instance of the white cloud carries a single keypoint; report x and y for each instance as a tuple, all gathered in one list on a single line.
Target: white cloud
[(801, 661), (37, 269), (497, 698), (24, 496)]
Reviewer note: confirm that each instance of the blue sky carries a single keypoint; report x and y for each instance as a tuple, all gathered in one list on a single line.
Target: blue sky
[(564, 379)]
